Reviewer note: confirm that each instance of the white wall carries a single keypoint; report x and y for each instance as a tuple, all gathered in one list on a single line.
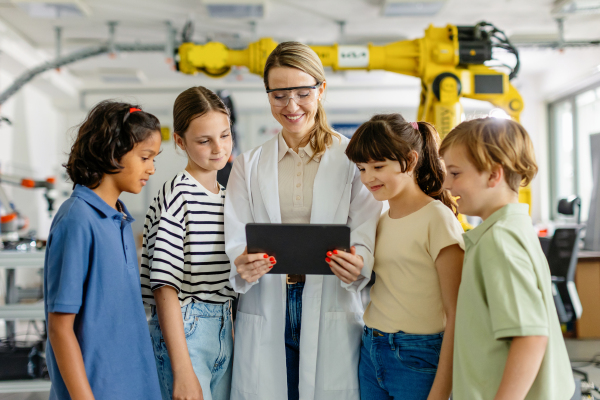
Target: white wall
[(534, 119), (32, 145), (38, 130), (546, 76), (31, 148)]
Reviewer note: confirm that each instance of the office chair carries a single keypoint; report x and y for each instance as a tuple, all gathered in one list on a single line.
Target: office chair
[(562, 252), (567, 207)]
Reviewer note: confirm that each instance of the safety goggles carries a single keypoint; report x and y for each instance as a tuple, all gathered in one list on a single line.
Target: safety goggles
[(302, 95)]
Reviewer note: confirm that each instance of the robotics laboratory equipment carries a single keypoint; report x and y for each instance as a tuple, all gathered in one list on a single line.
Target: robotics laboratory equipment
[(11, 221), (450, 61)]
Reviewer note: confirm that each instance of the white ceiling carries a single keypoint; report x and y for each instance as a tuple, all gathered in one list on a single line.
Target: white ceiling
[(309, 21)]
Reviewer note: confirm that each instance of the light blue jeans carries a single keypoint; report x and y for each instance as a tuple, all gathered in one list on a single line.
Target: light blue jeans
[(207, 330)]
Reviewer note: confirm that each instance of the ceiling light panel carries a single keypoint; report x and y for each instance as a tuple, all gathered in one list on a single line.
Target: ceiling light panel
[(53, 9), (235, 9), (407, 8), (112, 75), (576, 7)]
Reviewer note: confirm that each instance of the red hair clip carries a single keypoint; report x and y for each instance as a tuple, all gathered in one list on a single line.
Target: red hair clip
[(131, 110)]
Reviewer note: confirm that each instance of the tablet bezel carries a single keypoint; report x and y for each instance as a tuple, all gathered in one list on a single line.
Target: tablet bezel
[(291, 253)]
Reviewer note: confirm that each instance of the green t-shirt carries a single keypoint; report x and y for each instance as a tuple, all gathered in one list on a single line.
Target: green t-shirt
[(506, 292)]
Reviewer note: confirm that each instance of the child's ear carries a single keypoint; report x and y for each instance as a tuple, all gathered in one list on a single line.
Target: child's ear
[(496, 176), (179, 141), (414, 159)]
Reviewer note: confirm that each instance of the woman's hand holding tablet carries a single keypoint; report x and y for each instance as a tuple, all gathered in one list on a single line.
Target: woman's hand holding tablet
[(252, 266), (346, 266)]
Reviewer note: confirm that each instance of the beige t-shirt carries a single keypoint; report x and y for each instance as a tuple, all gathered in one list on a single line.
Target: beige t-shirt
[(406, 295), (296, 178)]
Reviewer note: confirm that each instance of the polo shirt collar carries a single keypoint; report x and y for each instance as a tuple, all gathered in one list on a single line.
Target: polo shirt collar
[(89, 196), (283, 148), (510, 209)]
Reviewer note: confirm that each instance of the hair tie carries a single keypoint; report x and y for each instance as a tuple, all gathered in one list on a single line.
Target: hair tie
[(131, 110), (415, 125)]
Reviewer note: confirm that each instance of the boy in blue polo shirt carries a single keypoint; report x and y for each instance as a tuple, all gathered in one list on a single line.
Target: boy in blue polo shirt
[(98, 341), (508, 344)]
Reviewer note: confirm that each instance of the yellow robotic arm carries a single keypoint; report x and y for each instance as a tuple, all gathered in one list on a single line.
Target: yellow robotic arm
[(449, 61), (215, 59)]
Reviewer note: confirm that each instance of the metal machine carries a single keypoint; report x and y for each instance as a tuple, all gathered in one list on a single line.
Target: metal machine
[(450, 61), (11, 221)]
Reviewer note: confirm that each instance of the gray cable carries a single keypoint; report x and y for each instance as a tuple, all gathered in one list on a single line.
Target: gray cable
[(27, 76)]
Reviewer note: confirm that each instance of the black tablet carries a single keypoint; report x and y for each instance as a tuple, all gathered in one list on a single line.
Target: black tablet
[(298, 248)]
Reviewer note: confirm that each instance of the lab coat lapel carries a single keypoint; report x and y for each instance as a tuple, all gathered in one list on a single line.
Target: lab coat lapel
[(329, 185), (328, 189), (267, 180)]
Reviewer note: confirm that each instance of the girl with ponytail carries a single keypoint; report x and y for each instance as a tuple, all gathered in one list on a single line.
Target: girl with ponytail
[(407, 345)]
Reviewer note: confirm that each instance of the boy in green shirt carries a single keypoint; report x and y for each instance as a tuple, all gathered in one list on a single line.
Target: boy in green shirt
[(508, 343)]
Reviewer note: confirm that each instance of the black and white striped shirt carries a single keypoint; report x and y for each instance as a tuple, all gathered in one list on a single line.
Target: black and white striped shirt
[(184, 243)]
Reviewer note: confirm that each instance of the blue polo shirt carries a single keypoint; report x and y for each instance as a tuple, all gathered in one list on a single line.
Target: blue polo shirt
[(91, 270)]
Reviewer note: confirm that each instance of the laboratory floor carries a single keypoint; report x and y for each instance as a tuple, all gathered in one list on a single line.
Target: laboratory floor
[(578, 350)]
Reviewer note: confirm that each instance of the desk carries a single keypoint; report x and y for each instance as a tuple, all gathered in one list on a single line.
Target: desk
[(585, 255), (587, 280)]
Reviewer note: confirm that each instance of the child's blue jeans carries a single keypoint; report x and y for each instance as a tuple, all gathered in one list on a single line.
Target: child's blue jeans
[(397, 365), (207, 330)]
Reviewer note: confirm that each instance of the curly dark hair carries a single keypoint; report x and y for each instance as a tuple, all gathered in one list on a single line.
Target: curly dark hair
[(108, 132)]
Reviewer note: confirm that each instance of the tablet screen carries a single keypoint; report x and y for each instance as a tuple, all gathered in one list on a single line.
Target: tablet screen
[(298, 248)]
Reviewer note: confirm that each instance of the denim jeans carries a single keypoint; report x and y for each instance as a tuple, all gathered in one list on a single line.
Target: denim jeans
[(293, 318), (207, 330), (397, 365)]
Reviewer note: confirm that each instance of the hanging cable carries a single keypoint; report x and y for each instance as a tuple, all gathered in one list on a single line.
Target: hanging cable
[(500, 40)]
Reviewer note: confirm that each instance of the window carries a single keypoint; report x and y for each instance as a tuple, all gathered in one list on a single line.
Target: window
[(572, 120)]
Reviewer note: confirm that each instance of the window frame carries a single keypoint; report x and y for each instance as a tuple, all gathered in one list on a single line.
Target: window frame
[(553, 145)]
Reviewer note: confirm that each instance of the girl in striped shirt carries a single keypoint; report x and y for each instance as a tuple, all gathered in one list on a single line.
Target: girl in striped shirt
[(185, 271)]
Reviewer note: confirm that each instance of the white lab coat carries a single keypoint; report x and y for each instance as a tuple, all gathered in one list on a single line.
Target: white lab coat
[(331, 310)]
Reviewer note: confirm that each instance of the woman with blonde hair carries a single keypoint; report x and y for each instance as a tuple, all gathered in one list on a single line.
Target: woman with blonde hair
[(297, 336)]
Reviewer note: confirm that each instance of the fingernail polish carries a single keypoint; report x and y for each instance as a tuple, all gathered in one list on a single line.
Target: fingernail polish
[(272, 259), (335, 252), (266, 256), (329, 253), (270, 267), (327, 259)]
